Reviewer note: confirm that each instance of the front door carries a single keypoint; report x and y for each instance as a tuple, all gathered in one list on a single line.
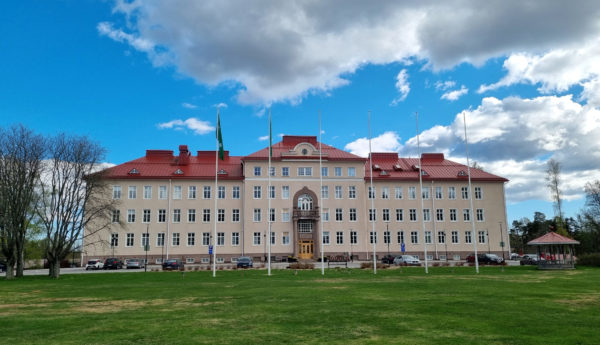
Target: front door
[(305, 249)]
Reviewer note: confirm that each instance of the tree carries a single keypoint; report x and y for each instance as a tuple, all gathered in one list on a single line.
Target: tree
[(72, 196), (21, 154), (553, 183), (588, 231)]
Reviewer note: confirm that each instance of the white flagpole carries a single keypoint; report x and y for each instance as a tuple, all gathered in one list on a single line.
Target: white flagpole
[(421, 192), (372, 201), (214, 241), (471, 215), (322, 202), (269, 200)]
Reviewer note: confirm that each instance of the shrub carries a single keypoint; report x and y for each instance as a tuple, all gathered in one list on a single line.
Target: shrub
[(370, 265), (592, 259), (301, 266)]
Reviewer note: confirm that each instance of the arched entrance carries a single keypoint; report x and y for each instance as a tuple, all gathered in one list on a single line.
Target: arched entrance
[(306, 215)]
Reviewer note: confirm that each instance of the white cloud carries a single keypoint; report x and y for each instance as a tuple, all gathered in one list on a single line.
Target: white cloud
[(403, 87), (444, 85), (281, 51), (189, 105), (193, 124), (263, 138), (220, 105), (386, 142), (455, 94)]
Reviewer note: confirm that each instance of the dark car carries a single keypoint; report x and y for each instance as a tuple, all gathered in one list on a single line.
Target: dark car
[(172, 264), (2, 266), (485, 259), (113, 264), (388, 259), (529, 259), (244, 262)]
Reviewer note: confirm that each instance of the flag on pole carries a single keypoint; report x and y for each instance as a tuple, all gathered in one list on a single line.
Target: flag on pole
[(220, 138)]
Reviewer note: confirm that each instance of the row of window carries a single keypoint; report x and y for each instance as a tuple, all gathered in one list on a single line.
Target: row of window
[(285, 192), (482, 237), (307, 171), (440, 215)]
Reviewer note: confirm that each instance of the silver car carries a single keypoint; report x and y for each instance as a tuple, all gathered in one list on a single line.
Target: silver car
[(406, 259), (135, 263)]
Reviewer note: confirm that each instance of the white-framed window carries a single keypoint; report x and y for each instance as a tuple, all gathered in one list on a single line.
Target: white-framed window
[(162, 192), (466, 214), (256, 215), (285, 215), (272, 215), (385, 192), (205, 260), (338, 192), (116, 214), (452, 193), (478, 193), (464, 192), (272, 171), (453, 215), (426, 215), (482, 236), (352, 215), (176, 215), (412, 214), (325, 214), (414, 237), (425, 193), (386, 214), (221, 215), (285, 238), (386, 237), (400, 237), (206, 192), (191, 215), (273, 238), (132, 192), (116, 192), (235, 215), (468, 237), (257, 192), (191, 192), (206, 215), (428, 237), (220, 239), (324, 171), (337, 171), (339, 215), (145, 239), (147, 192), (372, 237), (271, 192), (371, 192), (399, 214), (285, 192), (441, 237), (175, 239), (372, 215), (455, 237), (305, 227), (456, 257), (351, 172), (324, 192), (190, 260), (351, 192), (221, 192), (130, 238), (412, 193), (439, 214), (285, 171), (353, 237), (439, 193), (326, 238), (220, 260), (479, 215), (305, 171), (339, 237), (176, 192), (191, 239), (257, 171), (235, 192), (235, 239), (162, 215), (256, 239), (206, 238), (160, 239), (398, 192), (131, 216)]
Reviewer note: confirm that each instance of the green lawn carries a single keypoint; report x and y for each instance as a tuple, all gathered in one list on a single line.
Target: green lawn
[(448, 306)]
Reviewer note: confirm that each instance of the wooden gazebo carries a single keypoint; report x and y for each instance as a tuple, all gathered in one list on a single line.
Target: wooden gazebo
[(554, 251)]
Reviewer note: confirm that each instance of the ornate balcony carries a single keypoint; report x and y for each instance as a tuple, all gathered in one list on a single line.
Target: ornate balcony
[(304, 214)]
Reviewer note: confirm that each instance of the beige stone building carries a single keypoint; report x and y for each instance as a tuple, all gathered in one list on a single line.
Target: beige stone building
[(167, 201)]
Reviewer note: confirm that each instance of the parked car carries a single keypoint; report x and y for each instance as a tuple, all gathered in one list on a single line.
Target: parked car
[(244, 262), (94, 264), (529, 259), (135, 263), (515, 256), (172, 264), (484, 258), (2, 266), (494, 259), (406, 259), (388, 259), (112, 264)]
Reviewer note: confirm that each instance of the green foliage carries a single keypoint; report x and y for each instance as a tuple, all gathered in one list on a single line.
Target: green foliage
[(592, 259)]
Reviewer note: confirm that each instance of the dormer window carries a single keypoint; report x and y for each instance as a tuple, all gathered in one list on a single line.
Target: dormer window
[(376, 167), (222, 172), (178, 172), (133, 171), (423, 173), (397, 167), (383, 173), (304, 152), (462, 173)]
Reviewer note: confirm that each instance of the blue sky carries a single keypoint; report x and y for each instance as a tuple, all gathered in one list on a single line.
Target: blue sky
[(149, 75)]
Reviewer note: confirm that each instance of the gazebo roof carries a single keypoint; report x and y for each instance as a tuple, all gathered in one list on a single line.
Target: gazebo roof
[(551, 238)]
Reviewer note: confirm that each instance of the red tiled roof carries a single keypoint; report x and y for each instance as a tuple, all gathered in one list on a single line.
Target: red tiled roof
[(289, 142), (387, 166), (551, 238)]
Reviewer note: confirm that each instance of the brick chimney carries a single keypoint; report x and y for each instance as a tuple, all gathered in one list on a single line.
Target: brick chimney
[(184, 155)]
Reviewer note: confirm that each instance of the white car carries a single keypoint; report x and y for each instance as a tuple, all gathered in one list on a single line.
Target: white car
[(94, 264), (406, 259)]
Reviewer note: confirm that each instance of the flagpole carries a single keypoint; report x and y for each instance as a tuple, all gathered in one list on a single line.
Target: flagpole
[(214, 249), (421, 192), (269, 199), (372, 201), (322, 202), (472, 216)]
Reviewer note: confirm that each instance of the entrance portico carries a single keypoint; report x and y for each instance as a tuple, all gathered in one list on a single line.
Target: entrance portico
[(306, 219)]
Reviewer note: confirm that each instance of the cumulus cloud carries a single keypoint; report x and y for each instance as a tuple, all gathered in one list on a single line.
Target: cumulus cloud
[(386, 142), (263, 138), (189, 105), (444, 85), (403, 87), (455, 94), (197, 126), (220, 105), (281, 51)]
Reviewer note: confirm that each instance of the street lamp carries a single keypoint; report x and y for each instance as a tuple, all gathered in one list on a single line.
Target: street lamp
[(487, 233), (501, 240)]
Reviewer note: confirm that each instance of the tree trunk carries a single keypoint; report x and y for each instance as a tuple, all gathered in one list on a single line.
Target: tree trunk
[(54, 269), (20, 263), (10, 272)]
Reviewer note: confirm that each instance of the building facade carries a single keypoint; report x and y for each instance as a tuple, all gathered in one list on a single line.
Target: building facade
[(165, 204)]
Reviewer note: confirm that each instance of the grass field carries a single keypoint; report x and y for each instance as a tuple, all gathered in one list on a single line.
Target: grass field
[(448, 306)]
